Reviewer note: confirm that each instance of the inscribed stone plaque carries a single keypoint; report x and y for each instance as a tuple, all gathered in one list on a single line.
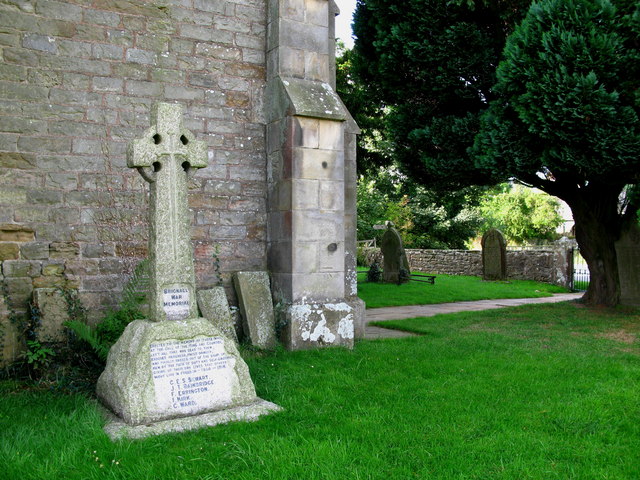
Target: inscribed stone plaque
[(494, 255), (628, 253), (53, 313), (176, 303), (192, 374)]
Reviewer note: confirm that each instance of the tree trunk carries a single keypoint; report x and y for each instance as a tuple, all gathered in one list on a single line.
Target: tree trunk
[(595, 212)]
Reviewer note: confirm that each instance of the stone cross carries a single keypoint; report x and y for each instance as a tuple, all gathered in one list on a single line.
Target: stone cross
[(166, 156)]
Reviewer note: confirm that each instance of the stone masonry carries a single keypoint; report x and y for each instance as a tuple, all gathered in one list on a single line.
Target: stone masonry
[(77, 81), (311, 179), (551, 265)]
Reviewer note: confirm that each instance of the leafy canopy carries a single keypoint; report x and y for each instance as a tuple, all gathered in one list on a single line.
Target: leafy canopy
[(522, 214), (568, 109), (430, 66)]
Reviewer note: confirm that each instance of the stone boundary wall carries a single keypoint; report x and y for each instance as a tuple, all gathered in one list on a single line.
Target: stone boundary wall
[(553, 265)]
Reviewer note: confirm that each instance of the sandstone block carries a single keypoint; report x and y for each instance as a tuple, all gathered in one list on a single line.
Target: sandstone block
[(214, 306), (256, 305)]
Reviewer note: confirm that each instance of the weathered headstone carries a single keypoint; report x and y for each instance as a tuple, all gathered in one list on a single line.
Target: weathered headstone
[(53, 313), (628, 253), (394, 256), (256, 306), (174, 364), (214, 306), (494, 255)]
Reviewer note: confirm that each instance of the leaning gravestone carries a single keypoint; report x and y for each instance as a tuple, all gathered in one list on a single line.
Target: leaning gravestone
[(394, 256), (214, 306), (256, 307), (173, 365), (494, 255), (628, 253)]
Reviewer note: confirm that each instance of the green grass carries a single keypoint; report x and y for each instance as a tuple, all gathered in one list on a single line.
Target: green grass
[(449, 288), (536, 392)]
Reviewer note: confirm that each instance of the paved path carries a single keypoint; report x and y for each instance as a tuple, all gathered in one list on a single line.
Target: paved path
[(412, 311)]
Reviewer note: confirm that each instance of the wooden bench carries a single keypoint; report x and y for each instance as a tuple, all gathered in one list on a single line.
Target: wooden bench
[(427, 278)]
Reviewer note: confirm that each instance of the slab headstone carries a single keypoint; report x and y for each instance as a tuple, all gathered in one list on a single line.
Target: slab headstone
[(394, 258), (174, 364), (628, 253), (494, 255), (214, 306), (256, 306), (53, 311)]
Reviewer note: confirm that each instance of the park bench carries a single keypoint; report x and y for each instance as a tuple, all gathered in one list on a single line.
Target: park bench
[(427, 278)]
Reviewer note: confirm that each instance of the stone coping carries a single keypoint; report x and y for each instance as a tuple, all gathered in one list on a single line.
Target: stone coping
[(117, 429)]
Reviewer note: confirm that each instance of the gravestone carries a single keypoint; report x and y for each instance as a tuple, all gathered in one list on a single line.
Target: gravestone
[(394, 256), (256, 307), (53, 311), (174, 364), (494, 255), (628, 253), (214, 306)]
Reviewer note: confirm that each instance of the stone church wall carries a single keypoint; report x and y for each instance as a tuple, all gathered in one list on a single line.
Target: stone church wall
[(77, 81)]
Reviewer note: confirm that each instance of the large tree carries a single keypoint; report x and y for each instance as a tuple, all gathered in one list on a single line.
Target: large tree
[(563, 116), (430, 66), (566, 120)]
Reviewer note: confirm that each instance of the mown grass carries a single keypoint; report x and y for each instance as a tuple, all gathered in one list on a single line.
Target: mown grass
[(449, 288), (536, 392)]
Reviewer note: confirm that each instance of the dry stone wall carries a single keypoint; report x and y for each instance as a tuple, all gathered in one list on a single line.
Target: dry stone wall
[(543, 265), (77, 81)]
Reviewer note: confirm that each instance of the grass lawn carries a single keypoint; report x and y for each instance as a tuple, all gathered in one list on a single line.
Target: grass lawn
[(448, 288), (534, 392)]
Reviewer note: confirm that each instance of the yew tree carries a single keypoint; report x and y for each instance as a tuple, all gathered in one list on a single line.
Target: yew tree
[(429, 66), (565, 119)]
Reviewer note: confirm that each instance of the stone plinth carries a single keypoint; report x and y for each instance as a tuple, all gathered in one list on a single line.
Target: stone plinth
[(162, 370), (313, 325)]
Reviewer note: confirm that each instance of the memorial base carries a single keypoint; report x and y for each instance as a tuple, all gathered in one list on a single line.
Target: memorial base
[(159, 371), (314, 325), (116, 428)]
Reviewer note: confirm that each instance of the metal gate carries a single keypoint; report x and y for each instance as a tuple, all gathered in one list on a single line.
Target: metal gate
[(581, 276)]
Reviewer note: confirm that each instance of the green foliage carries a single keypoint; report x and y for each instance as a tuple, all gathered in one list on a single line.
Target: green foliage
[(75, 308), (101, 337), (537, 392), (216, 264), (37, 356), (424, 218), (448, 288), (88, 334), (567, 120), (522, 214), (372, 148), (569, 103), (135, 291), (374, 274), (430, 66)]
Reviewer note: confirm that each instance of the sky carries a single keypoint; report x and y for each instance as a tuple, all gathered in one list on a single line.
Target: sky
[(343, 21)]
